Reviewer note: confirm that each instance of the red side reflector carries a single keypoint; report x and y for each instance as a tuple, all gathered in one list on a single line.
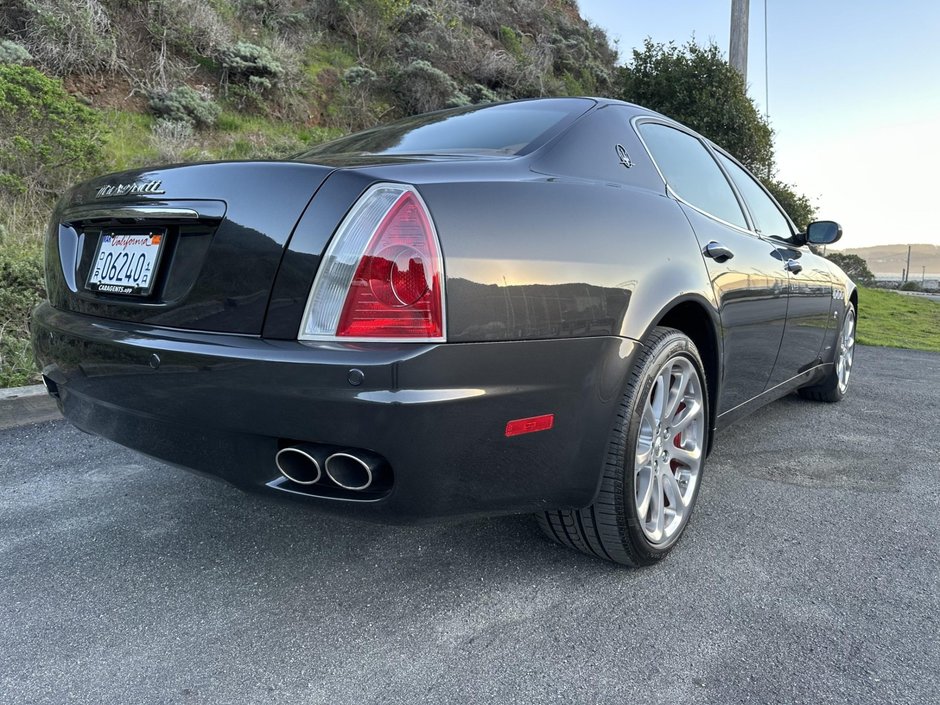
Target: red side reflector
[(530, 425)]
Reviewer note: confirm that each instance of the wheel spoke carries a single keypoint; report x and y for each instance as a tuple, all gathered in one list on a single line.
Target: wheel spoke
[(644, 482), (687, 455), (643, 456), (660, 396), (674, 493), (649, 415), (657, 509), (676, 393), (689, 414)]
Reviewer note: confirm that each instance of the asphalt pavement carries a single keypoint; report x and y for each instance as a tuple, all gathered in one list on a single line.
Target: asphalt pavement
[(810, 574)]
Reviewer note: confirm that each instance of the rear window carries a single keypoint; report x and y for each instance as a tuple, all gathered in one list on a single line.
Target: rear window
[(506, 129)]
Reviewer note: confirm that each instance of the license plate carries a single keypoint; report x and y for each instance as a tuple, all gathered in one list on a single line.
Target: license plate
[(126, 261)]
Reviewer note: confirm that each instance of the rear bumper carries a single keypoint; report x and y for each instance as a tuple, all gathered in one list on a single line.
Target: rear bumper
[(223, 405)]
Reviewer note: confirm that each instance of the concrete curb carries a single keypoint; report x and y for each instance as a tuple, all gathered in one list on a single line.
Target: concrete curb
[(33, 390), (21, 406)]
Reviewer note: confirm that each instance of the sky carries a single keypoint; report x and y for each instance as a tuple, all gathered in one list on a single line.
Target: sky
[(854, 99)]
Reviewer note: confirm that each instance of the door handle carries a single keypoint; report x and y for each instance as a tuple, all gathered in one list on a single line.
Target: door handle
[(717, 252), (793, 266)]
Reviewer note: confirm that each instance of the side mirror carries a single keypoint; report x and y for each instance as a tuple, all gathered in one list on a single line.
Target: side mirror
[(823, 232)]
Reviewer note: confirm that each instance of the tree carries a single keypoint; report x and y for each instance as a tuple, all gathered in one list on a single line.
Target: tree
[(697, 87), (853, 265), (800, 209)]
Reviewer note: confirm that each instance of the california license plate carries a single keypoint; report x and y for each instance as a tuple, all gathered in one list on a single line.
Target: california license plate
[(126, 261)]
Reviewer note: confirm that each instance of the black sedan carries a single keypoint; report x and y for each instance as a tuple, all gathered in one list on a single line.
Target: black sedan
[(542, 306)]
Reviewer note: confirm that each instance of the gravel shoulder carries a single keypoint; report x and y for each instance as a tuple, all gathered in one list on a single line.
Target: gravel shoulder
[(810, 574)]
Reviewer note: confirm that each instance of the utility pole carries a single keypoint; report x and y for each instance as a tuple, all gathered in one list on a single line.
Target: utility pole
[(908, 261), (737, 54), (923, 275)]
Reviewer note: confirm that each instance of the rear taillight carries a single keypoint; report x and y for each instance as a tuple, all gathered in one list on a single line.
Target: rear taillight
[(382, 277)]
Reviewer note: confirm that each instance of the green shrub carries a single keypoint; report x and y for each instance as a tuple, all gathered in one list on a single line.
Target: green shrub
[(248, 72), (511, 41), (243, 61), (415, 18), (21, 289), (391, 10), (458, 100), (359, 76), (13, 53), (194, 28), (420, 87), (66, 37), (911, 286), (279, 15), (47, 138), (478, 93), (171, 140), (184, 104)]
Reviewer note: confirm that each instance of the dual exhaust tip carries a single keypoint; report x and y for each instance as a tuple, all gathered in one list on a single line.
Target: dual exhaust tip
[(352, 470)]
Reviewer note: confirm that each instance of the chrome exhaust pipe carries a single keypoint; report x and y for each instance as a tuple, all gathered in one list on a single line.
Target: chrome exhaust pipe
[(299, 464), (356, 472)]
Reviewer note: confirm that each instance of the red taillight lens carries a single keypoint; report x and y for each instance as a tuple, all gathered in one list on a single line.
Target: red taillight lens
[(382, 276), (396, 291)]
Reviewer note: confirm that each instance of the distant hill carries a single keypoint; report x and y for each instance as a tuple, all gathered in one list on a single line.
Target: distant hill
[(889, 260)]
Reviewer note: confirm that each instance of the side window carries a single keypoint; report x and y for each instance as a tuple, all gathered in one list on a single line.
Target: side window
[(691, 172), (767, 217)]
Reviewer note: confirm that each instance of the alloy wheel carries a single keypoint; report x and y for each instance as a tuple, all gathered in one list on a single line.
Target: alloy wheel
[(846, 350), (669, 450)]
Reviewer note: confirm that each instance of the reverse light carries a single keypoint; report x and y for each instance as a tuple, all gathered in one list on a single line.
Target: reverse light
[(382, 277)]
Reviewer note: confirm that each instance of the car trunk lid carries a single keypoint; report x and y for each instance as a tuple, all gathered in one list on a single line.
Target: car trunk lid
[(217, 233)]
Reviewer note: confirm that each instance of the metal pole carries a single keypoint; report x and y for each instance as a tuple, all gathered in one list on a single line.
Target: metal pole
[(908, 261), (737, 53), (766, 71), (923, 275)]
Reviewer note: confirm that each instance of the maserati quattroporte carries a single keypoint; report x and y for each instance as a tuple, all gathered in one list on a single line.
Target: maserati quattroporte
[(543, 306)]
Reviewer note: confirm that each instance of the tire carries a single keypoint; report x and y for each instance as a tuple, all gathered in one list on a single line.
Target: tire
[(615, 527), (835, 384)]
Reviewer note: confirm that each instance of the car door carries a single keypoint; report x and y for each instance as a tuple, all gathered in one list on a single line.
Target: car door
[(746, 272), (808, 279)]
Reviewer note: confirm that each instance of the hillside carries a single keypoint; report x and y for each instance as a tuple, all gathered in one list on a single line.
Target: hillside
[(889, 260), (179, 79)]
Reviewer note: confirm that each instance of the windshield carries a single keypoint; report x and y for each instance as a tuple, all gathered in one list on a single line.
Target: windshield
[(505, 129)]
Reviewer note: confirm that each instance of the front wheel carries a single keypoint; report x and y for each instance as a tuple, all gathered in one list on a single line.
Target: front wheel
[(655, 458), (834, 386)]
